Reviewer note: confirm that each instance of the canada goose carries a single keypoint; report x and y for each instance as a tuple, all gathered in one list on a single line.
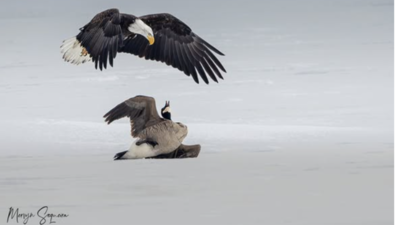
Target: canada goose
[(153, 135), (160, 37)]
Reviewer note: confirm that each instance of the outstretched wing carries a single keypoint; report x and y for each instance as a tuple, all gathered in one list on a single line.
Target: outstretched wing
[(141, 110), (99, 40), (176, 45)]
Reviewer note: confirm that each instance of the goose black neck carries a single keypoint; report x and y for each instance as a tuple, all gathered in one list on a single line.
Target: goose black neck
[(166, 115)]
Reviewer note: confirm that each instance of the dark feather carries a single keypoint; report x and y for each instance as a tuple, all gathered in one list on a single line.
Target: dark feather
[(175, 43), (103, 36), (141, 110), (119, 156), (177, 46)]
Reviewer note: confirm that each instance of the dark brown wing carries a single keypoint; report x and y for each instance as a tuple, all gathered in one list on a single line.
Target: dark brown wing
[(140, 109), (176, 45), (103, 36)]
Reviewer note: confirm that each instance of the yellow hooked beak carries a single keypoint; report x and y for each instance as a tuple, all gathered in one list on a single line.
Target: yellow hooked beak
[(151, 39)]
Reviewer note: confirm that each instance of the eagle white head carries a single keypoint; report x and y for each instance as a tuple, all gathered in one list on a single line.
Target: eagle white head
[(139, 27)]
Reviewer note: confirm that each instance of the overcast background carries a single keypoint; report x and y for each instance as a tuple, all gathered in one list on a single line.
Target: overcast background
[(299, 132)]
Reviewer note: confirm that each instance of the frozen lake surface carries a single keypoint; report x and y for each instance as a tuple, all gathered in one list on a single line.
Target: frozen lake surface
[(299, 132)]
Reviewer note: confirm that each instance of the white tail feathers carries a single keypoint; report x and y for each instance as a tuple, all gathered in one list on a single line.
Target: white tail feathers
[(73, 52), (142, 151)]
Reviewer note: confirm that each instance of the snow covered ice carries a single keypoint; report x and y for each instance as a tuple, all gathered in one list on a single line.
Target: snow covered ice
[(299, 132)]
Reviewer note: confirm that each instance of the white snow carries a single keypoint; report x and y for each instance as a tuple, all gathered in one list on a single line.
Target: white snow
[(299, 132)]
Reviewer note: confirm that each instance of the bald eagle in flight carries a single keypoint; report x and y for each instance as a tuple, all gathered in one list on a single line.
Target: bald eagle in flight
[(160, 37)]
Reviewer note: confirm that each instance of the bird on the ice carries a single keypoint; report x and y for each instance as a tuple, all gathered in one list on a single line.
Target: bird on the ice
[(160, 37), (154, 135)]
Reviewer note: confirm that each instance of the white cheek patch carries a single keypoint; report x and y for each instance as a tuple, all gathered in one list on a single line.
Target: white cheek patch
[(168, 109), (73, 52)]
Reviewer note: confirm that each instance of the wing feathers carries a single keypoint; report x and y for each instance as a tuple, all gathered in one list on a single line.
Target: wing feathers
[(175, 44), (208, 70), (102, 37), (209, 46), (181, 60), (118, 112), (141, 110), (212, 56), (191, 65)]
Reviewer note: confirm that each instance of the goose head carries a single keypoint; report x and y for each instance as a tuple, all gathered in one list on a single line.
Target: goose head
[(166, 111)]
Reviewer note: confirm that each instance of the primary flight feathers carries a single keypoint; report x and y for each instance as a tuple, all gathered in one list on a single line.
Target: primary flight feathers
[(159, 37), (141, 110)]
